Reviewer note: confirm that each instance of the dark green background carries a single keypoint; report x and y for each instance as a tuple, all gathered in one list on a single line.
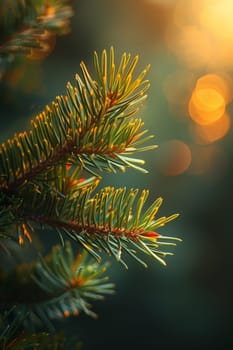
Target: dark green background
[(188, 304)]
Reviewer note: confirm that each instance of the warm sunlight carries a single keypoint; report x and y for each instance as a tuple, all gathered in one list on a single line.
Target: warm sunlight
[(217, 14), (205, 134), (206, 106), (209, 98), (201, 34)]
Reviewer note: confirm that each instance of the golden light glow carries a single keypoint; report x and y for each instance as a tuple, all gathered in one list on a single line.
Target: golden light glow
[(209, 99), (201, 33), (216, 17), (213, 132), (190, 44), (206, 106), (176, 158), (221, 83)]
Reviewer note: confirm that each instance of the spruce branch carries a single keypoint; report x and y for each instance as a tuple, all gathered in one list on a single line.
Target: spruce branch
[(111, 220), (49, 177), (14, 337), (29, 27), (60, 285), (91, 126)]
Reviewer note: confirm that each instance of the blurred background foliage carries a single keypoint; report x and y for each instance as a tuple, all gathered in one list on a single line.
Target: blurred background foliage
[(189, 45)]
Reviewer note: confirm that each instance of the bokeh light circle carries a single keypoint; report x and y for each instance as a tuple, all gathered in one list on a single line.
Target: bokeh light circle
[(175, 158)]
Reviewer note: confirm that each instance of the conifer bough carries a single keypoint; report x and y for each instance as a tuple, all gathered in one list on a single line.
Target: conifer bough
[(91, 129), (29, 27)]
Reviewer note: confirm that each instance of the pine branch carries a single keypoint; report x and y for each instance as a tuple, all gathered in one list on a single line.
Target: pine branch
[(111, 221), (91, 126), (29, 27), (73, 280), (59, 285), (13, 337), (90, 129)]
